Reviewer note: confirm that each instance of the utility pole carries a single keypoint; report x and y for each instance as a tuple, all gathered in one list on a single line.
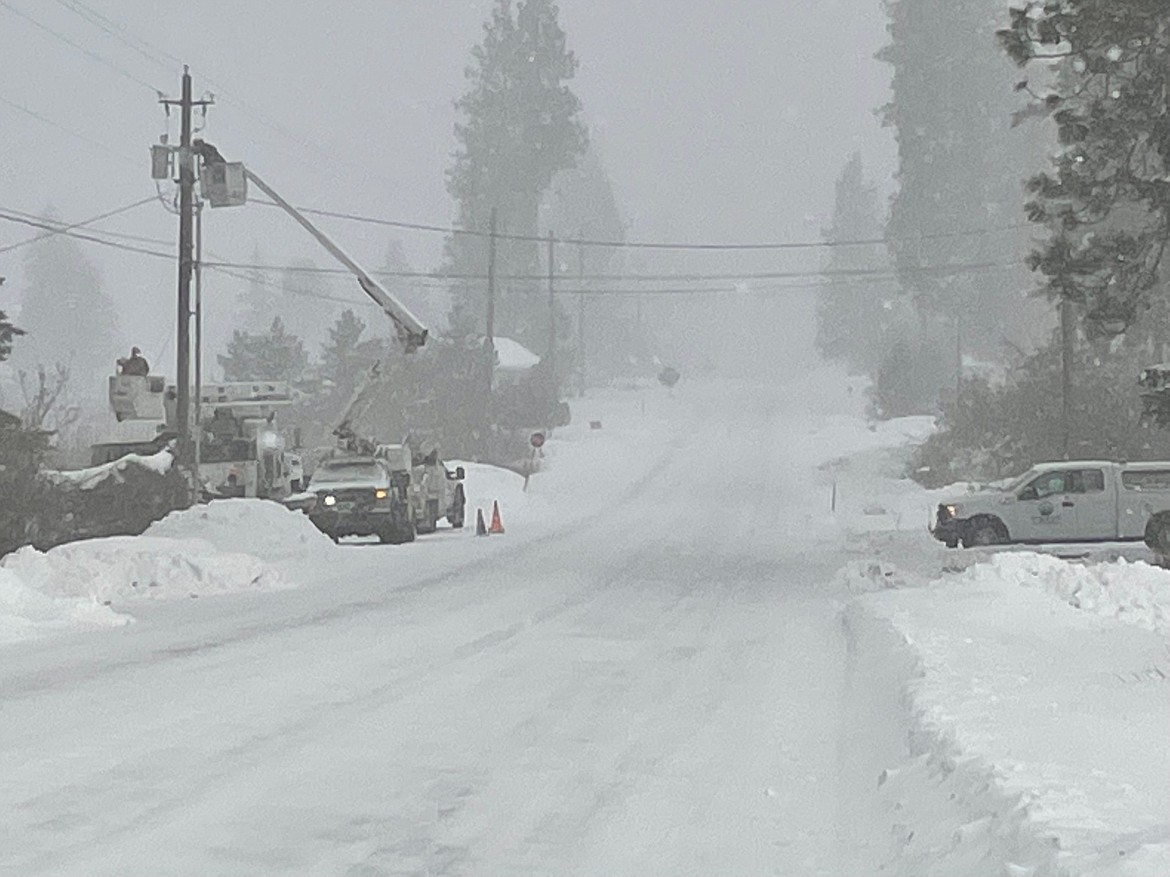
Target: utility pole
[(186, 259), (552, 317), (1067, 342), (958, 355), (581, 309), (198, 337), (490, 343)]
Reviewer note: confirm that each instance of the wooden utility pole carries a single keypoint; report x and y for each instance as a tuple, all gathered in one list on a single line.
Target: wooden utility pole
[(186, 261), (1067, 345), (958, 354), (581, 309), (198, 419), (552, 316), (490, 343)]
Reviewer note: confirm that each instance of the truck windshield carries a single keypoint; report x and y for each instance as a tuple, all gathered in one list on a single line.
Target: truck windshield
[(348, 470)]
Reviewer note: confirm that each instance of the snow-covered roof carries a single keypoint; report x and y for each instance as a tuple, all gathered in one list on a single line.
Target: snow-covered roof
[(514, 356)]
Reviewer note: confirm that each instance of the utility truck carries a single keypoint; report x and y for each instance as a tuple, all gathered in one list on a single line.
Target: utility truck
[(239, 446), (433, 491), (1070, 501)]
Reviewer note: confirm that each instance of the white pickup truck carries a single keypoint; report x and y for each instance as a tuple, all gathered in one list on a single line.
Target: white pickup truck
[(1074, 501)]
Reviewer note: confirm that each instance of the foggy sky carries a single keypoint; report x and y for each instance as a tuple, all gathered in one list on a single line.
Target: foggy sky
[(725, 121)]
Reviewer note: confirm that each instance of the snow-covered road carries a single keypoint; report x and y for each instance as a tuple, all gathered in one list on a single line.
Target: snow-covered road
[(652, 689)]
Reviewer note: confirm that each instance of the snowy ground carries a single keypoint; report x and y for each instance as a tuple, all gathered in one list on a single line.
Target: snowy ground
[(657, 670), (1031, 738)]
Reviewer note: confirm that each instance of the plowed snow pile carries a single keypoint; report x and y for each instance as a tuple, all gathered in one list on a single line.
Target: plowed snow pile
[(251, 526), (1037, 715), (26, 613), (222, 548)]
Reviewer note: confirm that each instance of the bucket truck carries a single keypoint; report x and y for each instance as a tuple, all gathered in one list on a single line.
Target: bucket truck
[(434, 491)]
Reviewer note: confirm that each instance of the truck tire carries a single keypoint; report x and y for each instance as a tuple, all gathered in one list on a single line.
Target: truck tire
[(397, 534), (984, 531), (1157, 535), (458, 513)]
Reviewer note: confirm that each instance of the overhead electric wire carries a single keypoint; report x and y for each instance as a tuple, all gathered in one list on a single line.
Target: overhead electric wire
[(70, 226), (8, 217), (657, 278), (648, 245), (119, 32), (75, 134), (93, 56)]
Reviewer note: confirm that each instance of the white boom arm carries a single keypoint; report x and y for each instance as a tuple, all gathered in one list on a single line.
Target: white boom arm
[(411, 332)]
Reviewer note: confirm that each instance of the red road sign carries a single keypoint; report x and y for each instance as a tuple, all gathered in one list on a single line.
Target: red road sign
[(537, 439)]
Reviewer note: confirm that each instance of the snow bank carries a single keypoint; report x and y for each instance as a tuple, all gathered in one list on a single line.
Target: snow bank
[(125, 568), (1033, 720), (1136, 593), (264, 529), (27, 613)]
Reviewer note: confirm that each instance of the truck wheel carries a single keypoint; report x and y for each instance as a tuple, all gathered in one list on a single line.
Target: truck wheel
[(397, 534), (457, 515), (984, 531), (1157, 535)]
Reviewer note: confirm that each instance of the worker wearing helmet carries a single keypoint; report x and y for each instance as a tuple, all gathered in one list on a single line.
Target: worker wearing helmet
[(135, 364)]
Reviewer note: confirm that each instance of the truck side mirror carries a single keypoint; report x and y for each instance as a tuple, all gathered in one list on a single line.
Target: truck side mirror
[(1029, 493)]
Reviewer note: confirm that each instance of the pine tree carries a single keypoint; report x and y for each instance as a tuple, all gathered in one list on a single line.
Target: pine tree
[(853, 315), (261, 301), (961, 171), (520, 125), (338, 353), (1106, 200), (67, 316), (7, 333), (582, 201), (272, 356)]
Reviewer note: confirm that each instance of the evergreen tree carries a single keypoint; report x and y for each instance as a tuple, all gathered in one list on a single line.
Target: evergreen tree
[(67, 316), (339, 351), (853, 315), (520, 125), (261, 301), (272, 356), (1106, 200), (7, 333), (961, 170), (582, 202), (304, 304)]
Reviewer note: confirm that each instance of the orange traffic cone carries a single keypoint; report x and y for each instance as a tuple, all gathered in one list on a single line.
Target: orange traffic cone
[(480, 526), (497, 525)]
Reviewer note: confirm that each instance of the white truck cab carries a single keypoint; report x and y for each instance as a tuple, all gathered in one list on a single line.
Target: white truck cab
[(1071, 501)]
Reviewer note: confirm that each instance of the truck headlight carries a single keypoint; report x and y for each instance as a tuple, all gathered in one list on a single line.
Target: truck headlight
[(330, 500), (381, 493)]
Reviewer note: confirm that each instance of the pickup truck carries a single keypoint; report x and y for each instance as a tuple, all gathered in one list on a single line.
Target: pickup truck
[(1072, 501), (362, 496)]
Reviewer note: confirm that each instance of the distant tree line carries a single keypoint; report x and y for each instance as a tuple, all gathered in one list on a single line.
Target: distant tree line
[(973, 143)]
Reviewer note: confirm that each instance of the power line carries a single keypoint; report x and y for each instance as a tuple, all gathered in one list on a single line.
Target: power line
[(651, 245), (93, 56), (8, 217), (66, 228), (75, 134), (876, 272), (119, 32), (154, 53)]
